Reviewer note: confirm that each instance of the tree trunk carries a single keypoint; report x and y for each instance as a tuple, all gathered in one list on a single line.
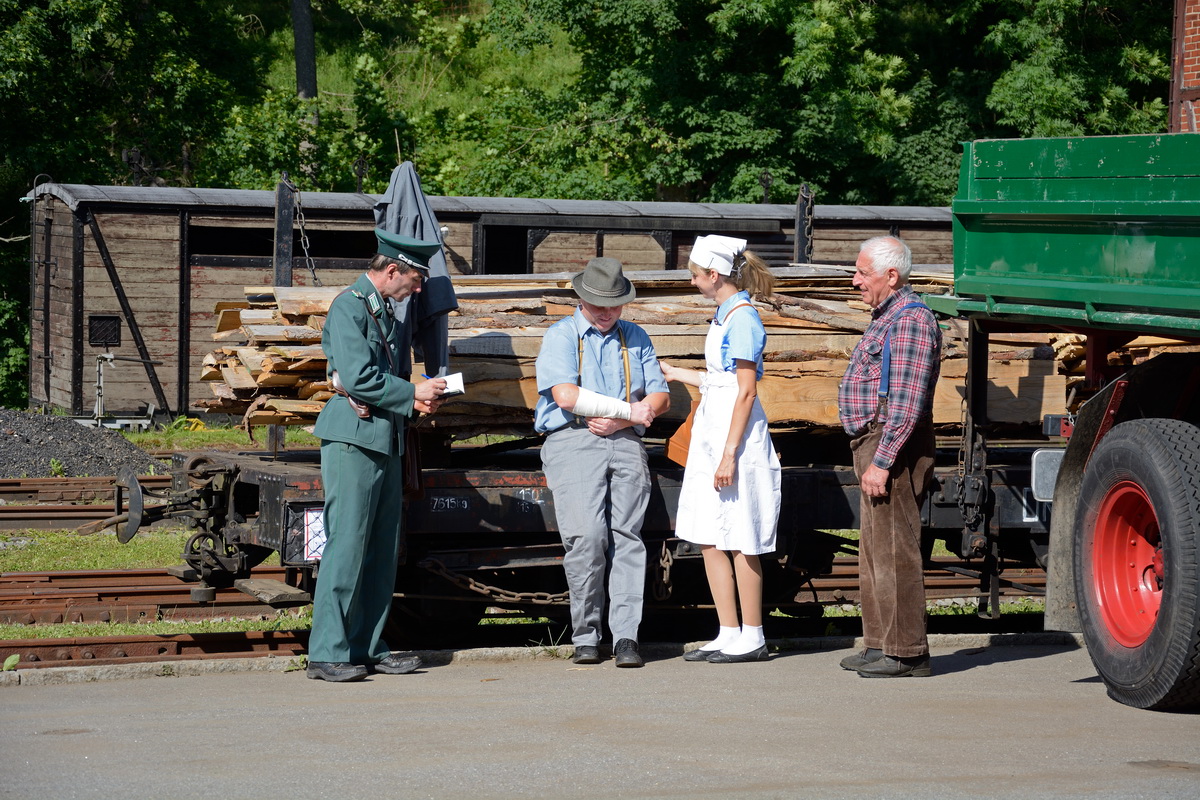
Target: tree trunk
[(306, 49)]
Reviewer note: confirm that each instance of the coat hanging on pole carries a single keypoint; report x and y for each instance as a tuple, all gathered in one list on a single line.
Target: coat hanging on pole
[(405, 210)]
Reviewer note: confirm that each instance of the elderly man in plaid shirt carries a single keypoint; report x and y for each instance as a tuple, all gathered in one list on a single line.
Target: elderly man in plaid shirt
[(885, 402)]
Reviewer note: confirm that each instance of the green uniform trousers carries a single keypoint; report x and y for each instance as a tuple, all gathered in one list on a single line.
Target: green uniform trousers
[(357, 575)]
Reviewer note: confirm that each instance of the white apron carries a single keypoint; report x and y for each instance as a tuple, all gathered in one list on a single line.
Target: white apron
[(742, 516)]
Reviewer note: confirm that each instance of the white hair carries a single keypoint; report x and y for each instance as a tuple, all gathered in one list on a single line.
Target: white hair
[(884, 252)]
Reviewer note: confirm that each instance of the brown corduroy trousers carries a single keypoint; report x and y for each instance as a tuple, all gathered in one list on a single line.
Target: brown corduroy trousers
[(889, 550)]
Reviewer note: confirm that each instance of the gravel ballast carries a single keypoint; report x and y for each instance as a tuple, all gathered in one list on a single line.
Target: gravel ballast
[(45, 446)]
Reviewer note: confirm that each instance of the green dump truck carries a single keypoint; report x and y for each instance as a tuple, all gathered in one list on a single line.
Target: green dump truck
[(1099, 236)]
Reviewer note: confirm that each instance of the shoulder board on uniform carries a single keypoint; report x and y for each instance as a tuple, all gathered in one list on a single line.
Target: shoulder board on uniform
[(371, 300)]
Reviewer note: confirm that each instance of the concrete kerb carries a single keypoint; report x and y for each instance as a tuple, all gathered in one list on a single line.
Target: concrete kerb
[(436, 658)]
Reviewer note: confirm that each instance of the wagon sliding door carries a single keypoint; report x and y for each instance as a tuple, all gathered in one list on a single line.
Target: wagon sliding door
[(127, 304)]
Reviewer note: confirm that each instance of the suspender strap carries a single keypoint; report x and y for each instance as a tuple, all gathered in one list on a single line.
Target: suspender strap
[(624, 358), (885, 380), (735, 308)]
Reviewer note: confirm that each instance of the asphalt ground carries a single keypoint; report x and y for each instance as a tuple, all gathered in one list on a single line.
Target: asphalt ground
[(1018, 716)]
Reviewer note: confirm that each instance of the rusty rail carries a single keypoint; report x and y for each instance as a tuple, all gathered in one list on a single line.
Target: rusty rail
[(29, 598), (66, 490), (94, 651), (47, 503), (841, 585)]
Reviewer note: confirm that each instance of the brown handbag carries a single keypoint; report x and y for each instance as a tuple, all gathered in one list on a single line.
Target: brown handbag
[(681, 439)]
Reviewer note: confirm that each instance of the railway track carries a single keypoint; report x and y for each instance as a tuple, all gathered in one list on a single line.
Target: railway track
[(50, 503), (105, 650), (942, 582), (136, 595), (152, 594)]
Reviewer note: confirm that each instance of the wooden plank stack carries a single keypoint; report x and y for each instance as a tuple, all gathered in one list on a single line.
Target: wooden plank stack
[(268, 365)]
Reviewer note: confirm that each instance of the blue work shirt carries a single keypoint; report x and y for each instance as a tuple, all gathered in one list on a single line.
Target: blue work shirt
[(603, 368), (743, 334)]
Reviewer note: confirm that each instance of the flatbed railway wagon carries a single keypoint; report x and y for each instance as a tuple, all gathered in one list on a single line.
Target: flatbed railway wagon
[(1095, 236)]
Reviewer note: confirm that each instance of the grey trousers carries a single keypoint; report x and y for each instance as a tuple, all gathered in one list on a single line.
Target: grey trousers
[(891, 575), (601, 487)]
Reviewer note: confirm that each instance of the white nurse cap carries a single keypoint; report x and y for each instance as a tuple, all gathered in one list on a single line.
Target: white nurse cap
[(717, 252)]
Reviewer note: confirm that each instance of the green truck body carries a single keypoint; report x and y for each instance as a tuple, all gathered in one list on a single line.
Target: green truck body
[(1100, 232)]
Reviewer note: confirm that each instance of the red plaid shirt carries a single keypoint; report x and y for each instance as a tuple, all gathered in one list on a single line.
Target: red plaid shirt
[(916, 345)]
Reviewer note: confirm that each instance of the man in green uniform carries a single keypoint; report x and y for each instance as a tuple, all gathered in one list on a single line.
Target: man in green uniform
[(362, 441)]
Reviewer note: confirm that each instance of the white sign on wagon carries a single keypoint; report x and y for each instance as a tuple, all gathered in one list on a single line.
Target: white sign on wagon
[(314, 533)]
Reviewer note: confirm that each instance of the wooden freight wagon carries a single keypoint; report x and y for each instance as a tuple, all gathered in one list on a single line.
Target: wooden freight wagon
[(139, 273)]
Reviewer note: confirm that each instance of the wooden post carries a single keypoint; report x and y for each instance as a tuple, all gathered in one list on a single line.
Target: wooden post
[(285, 212), (802, 241)]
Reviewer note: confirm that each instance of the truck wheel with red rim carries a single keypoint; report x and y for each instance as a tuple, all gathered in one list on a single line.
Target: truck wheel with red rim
[(1136, 568)]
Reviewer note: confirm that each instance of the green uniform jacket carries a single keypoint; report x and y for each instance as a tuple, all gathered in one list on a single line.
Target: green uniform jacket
[(353, 346)]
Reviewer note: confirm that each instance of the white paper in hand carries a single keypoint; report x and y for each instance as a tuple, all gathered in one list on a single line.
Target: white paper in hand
[(454, 385)]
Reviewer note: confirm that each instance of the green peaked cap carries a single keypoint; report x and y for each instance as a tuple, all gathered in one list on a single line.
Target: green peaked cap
[(407, 250)]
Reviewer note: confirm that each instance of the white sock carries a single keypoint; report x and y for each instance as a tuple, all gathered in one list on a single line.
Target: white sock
[(724, 636), (750, 640)]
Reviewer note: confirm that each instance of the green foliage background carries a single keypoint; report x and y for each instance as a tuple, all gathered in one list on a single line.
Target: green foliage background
[(695, 100)]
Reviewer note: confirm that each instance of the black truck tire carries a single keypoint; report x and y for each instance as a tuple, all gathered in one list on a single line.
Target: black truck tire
[(1136, 569)]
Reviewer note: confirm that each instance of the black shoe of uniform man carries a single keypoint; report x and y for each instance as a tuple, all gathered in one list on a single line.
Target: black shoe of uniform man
[(626, 654), (335, 672), (586, 654), (892, 667), (396, 664), (861, 659)]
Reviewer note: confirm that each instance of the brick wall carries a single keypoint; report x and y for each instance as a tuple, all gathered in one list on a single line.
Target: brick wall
[(1186, 73)]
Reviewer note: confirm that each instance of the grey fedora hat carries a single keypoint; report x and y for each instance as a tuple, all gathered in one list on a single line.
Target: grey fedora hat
[(602, 283)]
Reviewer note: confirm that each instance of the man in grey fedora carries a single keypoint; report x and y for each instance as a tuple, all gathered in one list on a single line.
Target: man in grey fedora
[(599, 386)]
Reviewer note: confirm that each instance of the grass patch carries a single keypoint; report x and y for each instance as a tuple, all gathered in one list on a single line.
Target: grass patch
[(189, 433), (513, 619), (939, 546), (949, 608), (970, 605), (553, 646), (63, 551), (300, 620)]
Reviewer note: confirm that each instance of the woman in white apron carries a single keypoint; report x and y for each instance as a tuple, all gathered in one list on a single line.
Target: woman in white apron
[(729, 501)]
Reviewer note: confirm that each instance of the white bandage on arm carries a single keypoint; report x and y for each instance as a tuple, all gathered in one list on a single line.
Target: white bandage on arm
[(592, 404)]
